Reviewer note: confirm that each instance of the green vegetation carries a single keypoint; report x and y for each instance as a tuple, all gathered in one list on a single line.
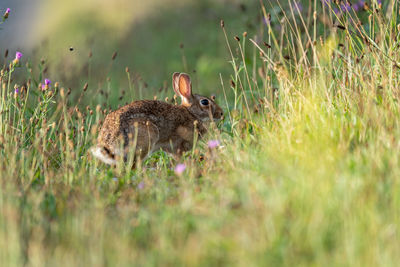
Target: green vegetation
[(307, 172)]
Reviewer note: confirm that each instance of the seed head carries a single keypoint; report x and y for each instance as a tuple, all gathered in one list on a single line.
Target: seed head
[(237, 38), (267, 44), (114, 55), (222, 23)]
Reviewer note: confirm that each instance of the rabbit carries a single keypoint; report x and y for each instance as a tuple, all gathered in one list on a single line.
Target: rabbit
[(150, 125)]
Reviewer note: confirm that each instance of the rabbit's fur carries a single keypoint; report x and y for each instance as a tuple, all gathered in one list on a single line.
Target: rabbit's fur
[(148, 125)]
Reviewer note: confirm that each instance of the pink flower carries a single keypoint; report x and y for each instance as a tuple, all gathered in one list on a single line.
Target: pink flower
[(141, 185), (46, 84), (18, 55), (213, 143), (6, 13), (180, 168)]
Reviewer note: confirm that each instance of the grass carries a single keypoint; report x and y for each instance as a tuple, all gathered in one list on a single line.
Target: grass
[(306, 174)]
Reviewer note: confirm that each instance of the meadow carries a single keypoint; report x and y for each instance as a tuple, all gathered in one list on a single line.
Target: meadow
[(303, 171)]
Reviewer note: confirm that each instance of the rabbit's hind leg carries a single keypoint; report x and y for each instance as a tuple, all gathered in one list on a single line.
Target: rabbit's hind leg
[(143, 135)]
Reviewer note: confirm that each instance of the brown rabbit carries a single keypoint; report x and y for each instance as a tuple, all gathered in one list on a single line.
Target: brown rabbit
[(148, 125)]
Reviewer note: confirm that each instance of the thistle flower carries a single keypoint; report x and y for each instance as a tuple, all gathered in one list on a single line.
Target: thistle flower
[(5, 16), (213, 144), (46, 84), (180, 168), (18, 56)]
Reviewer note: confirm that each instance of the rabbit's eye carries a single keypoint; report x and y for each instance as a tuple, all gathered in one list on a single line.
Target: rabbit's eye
[(204, 102)]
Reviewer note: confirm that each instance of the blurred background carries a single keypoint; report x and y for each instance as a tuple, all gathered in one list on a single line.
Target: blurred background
[(76, 41)]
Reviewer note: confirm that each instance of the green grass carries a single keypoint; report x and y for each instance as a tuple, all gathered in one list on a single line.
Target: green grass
[(307, 172)]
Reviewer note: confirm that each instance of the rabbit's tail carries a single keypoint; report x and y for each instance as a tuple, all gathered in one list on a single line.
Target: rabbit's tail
[(103, 154)]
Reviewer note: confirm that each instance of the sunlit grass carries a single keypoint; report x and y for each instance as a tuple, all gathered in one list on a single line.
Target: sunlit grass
[(306, 172)]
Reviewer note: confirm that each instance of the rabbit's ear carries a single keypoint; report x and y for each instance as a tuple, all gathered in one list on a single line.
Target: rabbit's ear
[(175, 83), (185, 88)]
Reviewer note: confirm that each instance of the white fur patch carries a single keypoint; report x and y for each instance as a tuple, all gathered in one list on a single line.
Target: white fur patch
[(97, 152)]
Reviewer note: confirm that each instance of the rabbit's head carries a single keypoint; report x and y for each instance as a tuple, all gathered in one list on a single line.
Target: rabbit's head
[(204, 108)]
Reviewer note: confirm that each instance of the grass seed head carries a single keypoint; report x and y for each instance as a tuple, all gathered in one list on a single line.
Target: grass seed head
[(114, 55)]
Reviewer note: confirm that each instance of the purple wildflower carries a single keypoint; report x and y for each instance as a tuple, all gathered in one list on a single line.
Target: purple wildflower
[(213, 143), (297, 6), (180, 168), (46, 84), (345, 7), (267, 20), (18, 55), (16, 91), (141, 185), (6, 13), (358, 6), (326, 2)]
